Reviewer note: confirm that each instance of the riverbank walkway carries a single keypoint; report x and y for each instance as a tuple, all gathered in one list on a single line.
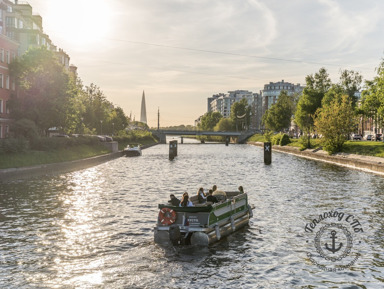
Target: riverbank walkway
[(361, 162)]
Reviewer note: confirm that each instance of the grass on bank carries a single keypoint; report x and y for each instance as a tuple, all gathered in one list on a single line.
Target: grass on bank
[(367, 148), (32, 158)]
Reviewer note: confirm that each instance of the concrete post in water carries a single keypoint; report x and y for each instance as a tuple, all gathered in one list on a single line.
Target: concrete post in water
[(182, 140), (267, 153), (227, 140), (172, 149)]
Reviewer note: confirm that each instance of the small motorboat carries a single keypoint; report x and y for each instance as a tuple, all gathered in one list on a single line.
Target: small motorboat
[(132, 151)]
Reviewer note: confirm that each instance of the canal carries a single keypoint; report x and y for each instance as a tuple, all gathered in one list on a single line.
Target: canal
[(94, 228)]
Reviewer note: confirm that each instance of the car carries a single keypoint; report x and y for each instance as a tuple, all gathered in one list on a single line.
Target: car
[(379, 136), (369, 137), (357, 137)]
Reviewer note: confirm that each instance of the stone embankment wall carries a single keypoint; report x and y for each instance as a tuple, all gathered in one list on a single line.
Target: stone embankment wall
[(366, 163), (51, 169), (57, 168)]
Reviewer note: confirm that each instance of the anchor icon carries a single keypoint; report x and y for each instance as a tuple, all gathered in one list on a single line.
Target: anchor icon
[(333, 249)]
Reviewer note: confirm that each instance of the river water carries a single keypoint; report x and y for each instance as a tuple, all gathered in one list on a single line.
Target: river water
[(94, 228)]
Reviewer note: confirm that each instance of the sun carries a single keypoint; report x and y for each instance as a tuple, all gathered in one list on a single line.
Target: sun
[(78, 22)]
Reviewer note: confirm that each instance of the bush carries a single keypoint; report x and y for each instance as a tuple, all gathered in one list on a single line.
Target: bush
[(13, 145), (276, 139), (284, 140)]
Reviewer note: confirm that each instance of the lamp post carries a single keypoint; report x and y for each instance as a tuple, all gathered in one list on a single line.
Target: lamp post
[(82, 121), (113, 128), (101, 127)]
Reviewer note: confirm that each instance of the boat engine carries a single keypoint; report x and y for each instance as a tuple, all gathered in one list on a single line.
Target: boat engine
[(174, 234)]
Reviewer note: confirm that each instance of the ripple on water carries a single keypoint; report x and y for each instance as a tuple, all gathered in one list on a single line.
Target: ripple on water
[(94, 228)]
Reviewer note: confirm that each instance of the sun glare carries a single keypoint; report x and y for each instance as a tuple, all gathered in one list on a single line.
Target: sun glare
[(79, 22)]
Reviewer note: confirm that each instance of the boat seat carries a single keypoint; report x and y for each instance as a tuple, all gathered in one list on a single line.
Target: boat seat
[(230, 195), (194, 199)]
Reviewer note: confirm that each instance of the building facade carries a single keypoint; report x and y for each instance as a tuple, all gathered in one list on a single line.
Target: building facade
[(8, 51), (271, 92), (20, 30)]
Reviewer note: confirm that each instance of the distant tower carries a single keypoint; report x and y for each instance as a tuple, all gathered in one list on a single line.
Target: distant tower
[(143, 116)]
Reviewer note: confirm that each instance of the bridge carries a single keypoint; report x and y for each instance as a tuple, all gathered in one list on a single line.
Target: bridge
[(241, 137)]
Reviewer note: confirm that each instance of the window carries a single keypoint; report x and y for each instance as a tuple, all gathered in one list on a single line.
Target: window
[(7, 82), (1, 106), (2, 55), (1, 81), (6, 107), (1, 131), (7, 57)]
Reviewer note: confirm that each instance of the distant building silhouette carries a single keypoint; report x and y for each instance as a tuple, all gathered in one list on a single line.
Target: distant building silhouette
[(143, 115)]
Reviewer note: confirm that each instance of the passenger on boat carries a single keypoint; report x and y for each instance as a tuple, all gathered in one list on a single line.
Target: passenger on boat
[(241, 190), (211, 198), (201, 196), (214, 188), (185, 202), (174, 201)]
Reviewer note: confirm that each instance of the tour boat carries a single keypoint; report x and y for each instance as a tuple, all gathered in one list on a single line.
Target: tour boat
[(202, 224), (132, 151)]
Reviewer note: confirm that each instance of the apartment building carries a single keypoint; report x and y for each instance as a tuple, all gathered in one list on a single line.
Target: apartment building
[(20, 30), (8, 51), (271, 92)]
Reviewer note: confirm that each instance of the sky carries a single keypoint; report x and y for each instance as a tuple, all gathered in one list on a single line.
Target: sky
[(180, 52)]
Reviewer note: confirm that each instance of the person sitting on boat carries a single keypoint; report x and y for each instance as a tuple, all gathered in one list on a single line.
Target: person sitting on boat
[(201, 196), (211, 198), (185, 202), (220, 195), (214, 188), (241, 190), (174, 201)]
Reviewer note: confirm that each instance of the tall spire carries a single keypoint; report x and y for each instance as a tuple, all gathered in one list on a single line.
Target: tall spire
[(143, 116)]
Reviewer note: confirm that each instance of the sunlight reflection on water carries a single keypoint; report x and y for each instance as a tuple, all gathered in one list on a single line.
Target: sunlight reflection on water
[(94, 228)]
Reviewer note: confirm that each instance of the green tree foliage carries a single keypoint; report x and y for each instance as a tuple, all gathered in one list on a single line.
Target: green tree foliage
[(335, 121), (278, 117), (225, 124), (210, 120), (349, 84), (310, 100), (49, 96), (43, 95), (241, 114), (373, 96)]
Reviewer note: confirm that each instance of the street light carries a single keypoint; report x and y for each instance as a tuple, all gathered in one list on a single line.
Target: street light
[(101, 127), (113, 128)]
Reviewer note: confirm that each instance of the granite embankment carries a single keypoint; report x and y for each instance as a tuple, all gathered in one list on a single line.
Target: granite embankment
[(57, 168), (360, 162)]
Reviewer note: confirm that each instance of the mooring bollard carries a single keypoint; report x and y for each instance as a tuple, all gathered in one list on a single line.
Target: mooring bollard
[(172, 149), (227, 140), (267, 153)]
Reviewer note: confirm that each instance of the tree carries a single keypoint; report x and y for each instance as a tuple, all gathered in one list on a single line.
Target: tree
[(225, 124), (278, 117), (43, 89), (349, 84), (310, 100), (373, 96), (335, 121), (209, 120), (241, 114)]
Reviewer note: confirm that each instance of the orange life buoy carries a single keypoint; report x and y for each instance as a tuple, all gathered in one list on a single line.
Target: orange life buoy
[(167, 216)]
